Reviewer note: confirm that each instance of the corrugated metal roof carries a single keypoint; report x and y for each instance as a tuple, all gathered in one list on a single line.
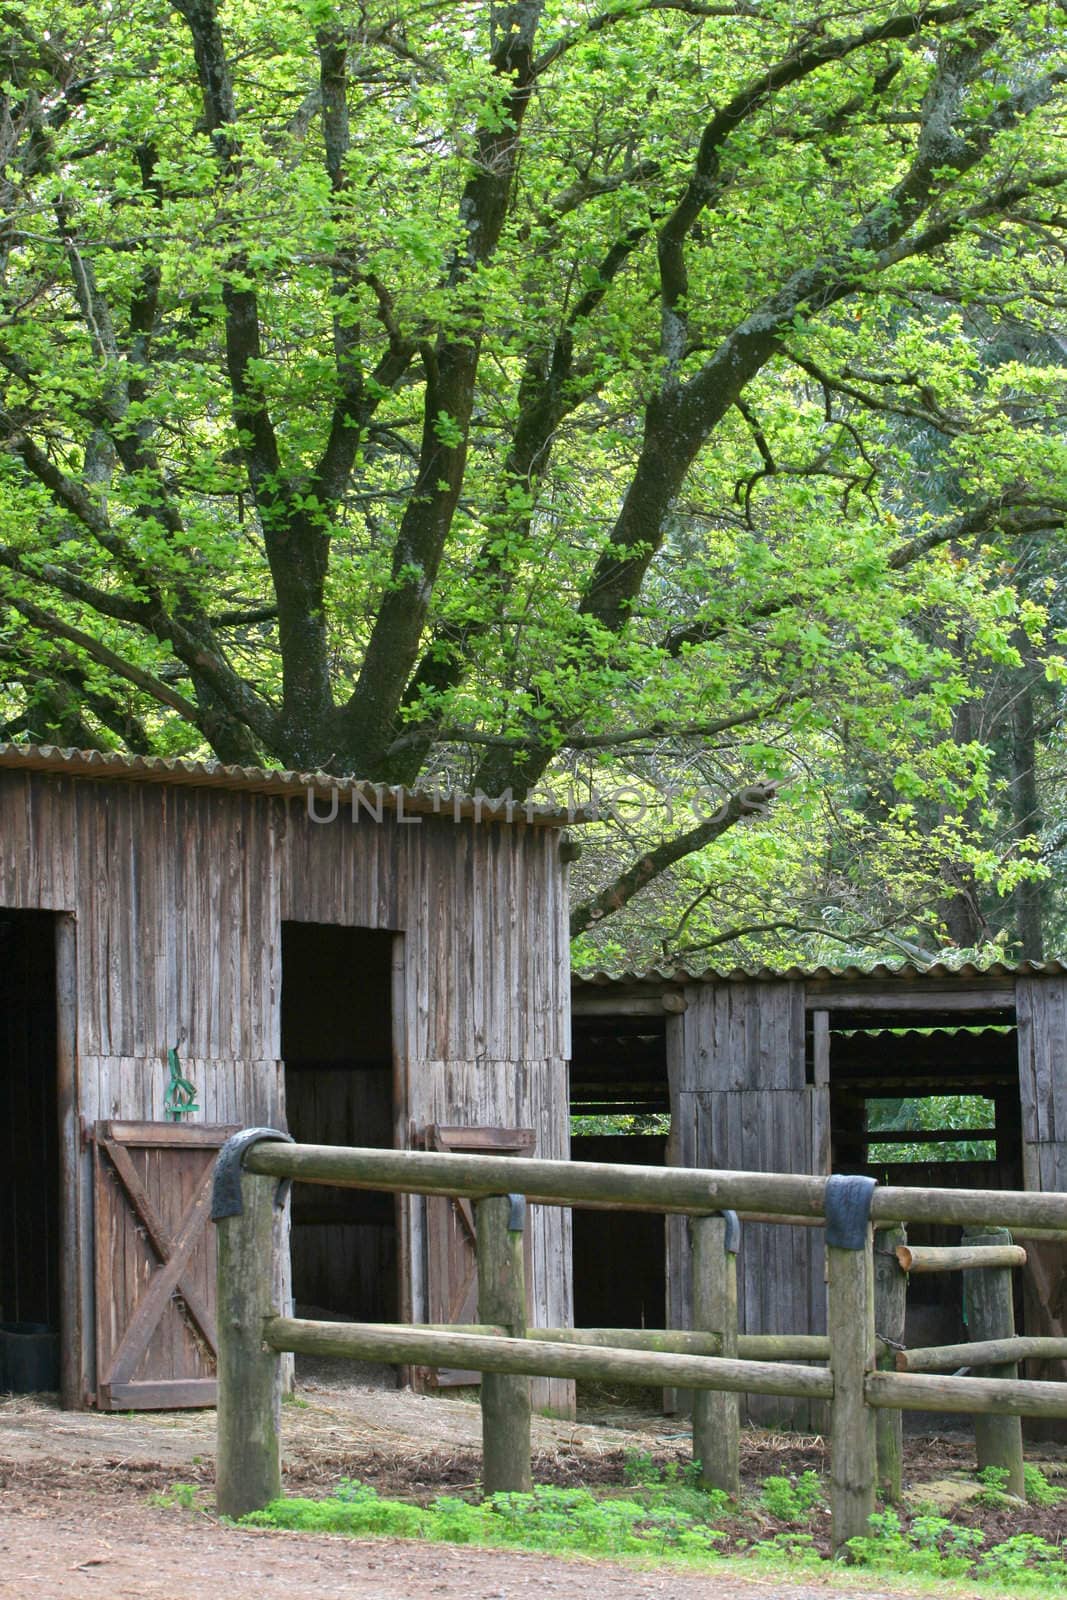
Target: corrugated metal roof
[(879, 971), (98, 765)]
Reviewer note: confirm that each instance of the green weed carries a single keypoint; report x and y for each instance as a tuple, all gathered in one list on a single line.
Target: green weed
[(792, 1499), (936, 1548), (994, 1481), (546, 1519), (672, 1521), (1039, 1491), (179, 1494)]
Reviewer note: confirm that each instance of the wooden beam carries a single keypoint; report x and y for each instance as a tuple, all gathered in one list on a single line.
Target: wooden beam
[(668, 1189), (369, 1341), (607, 1004), (959, 1258), (1021, 1397), (980, 1353), (855, 997)]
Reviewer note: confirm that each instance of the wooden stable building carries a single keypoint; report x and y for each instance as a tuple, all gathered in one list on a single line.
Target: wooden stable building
[(395, 976), (777, 1071)]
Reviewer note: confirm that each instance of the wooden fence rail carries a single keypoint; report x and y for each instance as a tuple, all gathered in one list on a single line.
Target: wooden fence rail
[(713, 1360)]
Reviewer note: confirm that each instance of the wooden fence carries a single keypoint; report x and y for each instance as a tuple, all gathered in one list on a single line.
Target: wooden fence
[(865, 1377)]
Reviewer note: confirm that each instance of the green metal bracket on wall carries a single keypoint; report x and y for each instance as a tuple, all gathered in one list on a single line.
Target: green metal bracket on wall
[(180, 1098)]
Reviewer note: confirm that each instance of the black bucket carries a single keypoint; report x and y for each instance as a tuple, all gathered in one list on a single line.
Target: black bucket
[(29, 1358)]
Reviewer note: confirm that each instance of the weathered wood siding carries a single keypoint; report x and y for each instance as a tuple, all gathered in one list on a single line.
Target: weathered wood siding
[(739, 1101), (180, 893), (1041, 1013)]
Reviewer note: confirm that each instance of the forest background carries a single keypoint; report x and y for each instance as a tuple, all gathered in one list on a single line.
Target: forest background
[(554, 398)]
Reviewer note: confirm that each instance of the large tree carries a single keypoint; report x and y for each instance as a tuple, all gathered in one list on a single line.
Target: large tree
[(505, 390)]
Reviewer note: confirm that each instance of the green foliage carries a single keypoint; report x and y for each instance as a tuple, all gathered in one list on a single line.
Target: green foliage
[(664, 1518), (994, 1481), (663, 399), (179, 1494), (1039, 1491), (1025, 1560), (793, 1499), (938, 1113), (546, 1519), (620, 1126), (934, 1547)]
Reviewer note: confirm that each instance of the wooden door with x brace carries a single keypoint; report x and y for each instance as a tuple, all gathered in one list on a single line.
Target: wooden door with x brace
[(155, 1264)]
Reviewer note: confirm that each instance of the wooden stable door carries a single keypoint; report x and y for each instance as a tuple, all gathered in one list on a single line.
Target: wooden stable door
[(155, 1264), (451, 1241)]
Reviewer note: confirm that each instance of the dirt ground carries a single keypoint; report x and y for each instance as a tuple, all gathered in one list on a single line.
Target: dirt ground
[(78, 1511)]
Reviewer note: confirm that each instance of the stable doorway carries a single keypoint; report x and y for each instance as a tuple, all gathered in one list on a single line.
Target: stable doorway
[(338, 1047)]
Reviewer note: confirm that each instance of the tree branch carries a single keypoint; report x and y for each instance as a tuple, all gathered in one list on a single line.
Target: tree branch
[(451, 368), (752, 800), (57, 628), (680, 418)]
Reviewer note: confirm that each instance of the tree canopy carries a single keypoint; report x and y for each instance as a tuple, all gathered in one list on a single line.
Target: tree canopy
[(537, 394)]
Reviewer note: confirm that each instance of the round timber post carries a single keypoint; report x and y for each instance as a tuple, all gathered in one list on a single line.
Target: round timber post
[(249, 1221), (890, 1307), (505, 1399), (716, 1414), (988, 1295), (850, 1272)]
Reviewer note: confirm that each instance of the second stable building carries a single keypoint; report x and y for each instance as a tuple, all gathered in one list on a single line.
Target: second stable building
[(396, 976), (781, 1071)]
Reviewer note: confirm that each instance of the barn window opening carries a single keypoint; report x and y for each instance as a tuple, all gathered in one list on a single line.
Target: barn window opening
[(949, 1127), (29, 1147), (337, 1043)]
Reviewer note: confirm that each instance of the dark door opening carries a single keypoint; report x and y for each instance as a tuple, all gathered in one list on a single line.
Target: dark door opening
[(337, 1043), (620, 1112), (29, 1133), (930, 1102)]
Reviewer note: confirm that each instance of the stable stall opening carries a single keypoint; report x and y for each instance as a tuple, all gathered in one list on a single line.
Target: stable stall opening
[(933, 1103), (29, 1151), (620, 1112), (337, 1043)]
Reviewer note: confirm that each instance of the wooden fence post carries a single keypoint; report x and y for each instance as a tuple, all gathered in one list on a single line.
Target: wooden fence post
[(248, 1453), (500, 1221), (850, 1269), (890, 1306), (716, 1414), (990, 1304)]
